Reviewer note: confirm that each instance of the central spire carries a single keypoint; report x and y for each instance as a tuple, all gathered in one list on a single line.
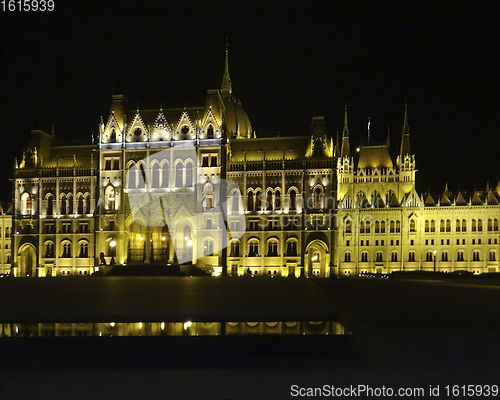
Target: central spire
[(226, 87), (405, 137), (346, 150)]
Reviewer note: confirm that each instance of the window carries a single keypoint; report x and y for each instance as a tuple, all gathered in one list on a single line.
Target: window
[(49, 250), (492, 255), (253, 249), (448, 225), (86, 209), (209, 224), (428, 256), (426, 225), (178, 175), (208, 196), (398, 226), (250, 204), (258, 201), (364, 256), (80, 204), (84, 250), (132, 177), (460, 255), (433, 225), (210, 132), (138, 132), (110, 198), (50, 204), (208, 247), (441, 226), (347, 257), (155, 182), (269, 205), (412, 226), (495, 225), (107, 165), (377, 227), (464, 225), (83, 227), (382, 227), (66, 250), (26, 204), (185, 130), (291, 248), (317, 198), (164, 175), (475, 255), (479, 225), (391, 227), (394, 256), (411, 256), (490, 225), (235, 249), (142, 177), (213, 161), (293, 200), (367, 226), (379, 256), (112, 138), (272, 248), (204, 162), (458, 225), (236, 201), (189, 174), (444, 256), (473, 228), (347, 224), (277, 200), (116, 164)]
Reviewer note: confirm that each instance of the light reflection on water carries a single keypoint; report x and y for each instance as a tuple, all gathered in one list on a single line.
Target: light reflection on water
[(186, 328)]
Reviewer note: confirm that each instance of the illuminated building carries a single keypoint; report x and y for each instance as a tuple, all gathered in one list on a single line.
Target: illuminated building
[(311, 207)]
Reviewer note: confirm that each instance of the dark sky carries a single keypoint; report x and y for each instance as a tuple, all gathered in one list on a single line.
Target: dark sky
[(286, 60)]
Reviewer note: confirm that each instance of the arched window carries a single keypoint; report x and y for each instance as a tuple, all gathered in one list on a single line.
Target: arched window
[(398, 226), (132, 177), (236, 201), (142, 177), (70, 203), (66, 250), (50, 204), (412, 226), (394, 256), (269, 205), (448, 225), (444, 256), (495, 225), (210, 132), (189, 174), (272, 248), (291, 248), (155, 182), (208, 247), (464, 225), (411, 256), (368, 224), (164, 175), (364, 256), (433, 225), (473, 228), (377, 227), (382, 227), (475, 255), (492, 255), (80, 204), (293, 200), (347, 224), (7, 232), (49, 250), (178, 175), (110, 198), (258, 201), (490, 225), (379, 257), (26, 204), (235, 249), (457, 225), (253, 248), (84, 250), (209, 196), (428, 256), (347, 257), (317, 199), (87, 204), (427, 225), (391, 227), (480, 225), (277, 200), (113, 136), (441, 226), (250, 205)]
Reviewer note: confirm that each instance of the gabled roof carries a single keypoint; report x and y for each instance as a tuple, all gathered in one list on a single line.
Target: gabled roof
[(477, 198), (374, 156), (460, 200), (445, 200), (394, 202), (429, 201)]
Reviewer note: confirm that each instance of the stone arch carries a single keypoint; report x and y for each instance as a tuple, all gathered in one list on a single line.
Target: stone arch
[(27, 260), (317, 259)]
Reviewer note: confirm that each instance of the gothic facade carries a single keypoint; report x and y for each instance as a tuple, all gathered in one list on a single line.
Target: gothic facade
[(151, 190)]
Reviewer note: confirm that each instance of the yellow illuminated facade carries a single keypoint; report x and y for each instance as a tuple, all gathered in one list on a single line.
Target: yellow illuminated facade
[(311, 207)]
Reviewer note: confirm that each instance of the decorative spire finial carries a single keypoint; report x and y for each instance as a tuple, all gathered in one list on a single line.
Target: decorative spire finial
[(345, 132), (226, 86), (406, 128)]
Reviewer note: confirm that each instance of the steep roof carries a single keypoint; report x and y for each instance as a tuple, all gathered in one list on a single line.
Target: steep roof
[(374, 156)]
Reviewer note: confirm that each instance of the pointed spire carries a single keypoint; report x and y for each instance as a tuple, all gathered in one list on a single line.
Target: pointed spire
[(346, 151), (337, 144), (405, 137), (345, 132), (226, 87), (388, 137)]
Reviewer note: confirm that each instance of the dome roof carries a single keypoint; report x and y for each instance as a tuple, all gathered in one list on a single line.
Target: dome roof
[(237, 121)]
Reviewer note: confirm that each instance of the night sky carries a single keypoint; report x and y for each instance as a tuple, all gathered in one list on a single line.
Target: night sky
[(287, 61)]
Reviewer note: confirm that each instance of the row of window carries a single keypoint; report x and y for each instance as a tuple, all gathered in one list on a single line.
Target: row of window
[(412, 242), (66, 250), (66, 201), (7, 232), (184, 130), (429, 256)]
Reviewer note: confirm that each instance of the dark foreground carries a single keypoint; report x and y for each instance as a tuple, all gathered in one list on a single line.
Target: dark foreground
[(403, 333)]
